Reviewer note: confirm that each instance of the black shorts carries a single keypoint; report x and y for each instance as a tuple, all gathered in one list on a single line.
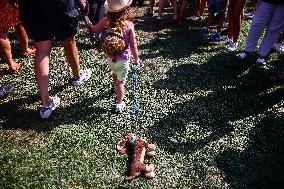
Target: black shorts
[(48, 19)]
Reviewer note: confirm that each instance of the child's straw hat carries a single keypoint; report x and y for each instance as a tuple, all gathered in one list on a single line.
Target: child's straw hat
[(117, 5)]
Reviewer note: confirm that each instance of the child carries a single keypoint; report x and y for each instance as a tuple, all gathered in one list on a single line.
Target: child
[(215, 7), (119, 14)]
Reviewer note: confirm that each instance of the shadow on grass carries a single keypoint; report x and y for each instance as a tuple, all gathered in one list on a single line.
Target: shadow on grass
[(222, 91), (261, 165)]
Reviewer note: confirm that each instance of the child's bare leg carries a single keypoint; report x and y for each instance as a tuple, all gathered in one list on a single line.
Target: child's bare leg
[(119, 89)]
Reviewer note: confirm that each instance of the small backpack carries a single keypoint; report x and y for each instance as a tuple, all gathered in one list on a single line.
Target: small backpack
[(112, 41)]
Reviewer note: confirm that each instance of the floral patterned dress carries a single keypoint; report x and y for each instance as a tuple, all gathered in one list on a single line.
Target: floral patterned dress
[(9, 16)]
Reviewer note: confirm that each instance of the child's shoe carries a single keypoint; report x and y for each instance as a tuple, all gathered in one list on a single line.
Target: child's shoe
[(84, 76), (203, 32), (215, 37), (46, 111), (232, 46), (119, 107)]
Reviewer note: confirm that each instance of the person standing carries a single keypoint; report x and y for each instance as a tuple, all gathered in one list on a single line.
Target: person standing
[(268, 17), (44, 21), (8, 19)]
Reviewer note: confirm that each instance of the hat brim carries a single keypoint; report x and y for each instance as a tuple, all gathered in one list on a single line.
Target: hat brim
[(117, 10)]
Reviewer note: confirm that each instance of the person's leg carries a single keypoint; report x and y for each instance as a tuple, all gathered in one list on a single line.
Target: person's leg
[(175, 9), (230, 19), (184, 5), (197, 7), (238, 19), (22, 37), (72, 56), (202, 7), (41, 67), (119, 86), (5, 49), (161, 7), (209, 21), (273, 30), (262, 16)]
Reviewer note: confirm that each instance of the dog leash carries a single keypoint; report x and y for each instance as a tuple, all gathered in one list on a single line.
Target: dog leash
[(134, 85)]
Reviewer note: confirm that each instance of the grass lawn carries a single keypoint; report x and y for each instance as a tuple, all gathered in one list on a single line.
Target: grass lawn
[(215, 120)]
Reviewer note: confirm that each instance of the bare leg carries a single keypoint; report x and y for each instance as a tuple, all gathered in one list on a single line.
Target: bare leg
[(184, 5), (22, 37), (41, 68), (161, 7), (72, 56), (119, 86), (175, 9), (5, 48)]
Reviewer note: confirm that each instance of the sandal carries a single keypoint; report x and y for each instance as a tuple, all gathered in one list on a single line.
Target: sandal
[(30, 51), (14, 69)]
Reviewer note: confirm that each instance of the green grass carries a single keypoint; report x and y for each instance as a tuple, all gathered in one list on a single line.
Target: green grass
[(215, 120)]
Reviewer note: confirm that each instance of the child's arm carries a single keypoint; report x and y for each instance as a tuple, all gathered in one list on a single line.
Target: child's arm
[(98, 27), (133, 44)]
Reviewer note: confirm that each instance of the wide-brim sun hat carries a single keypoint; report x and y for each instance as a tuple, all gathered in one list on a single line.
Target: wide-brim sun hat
[(117, 5)]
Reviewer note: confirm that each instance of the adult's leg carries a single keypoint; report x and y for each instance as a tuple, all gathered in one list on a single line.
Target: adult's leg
[(175, 9), (197, 7), (41, 67), (273, 30), (184, 5), (161, 7), (237, 18), (262, 17), (72, 56), (22, 36), (5, 48)]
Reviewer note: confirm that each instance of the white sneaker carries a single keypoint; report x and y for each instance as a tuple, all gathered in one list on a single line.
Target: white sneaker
[(84, 76), (46, 111), (232, 46), (119, 107), (225, 41), (260, 61)]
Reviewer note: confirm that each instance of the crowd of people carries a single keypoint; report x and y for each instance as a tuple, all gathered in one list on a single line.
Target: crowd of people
[(32, 20)]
